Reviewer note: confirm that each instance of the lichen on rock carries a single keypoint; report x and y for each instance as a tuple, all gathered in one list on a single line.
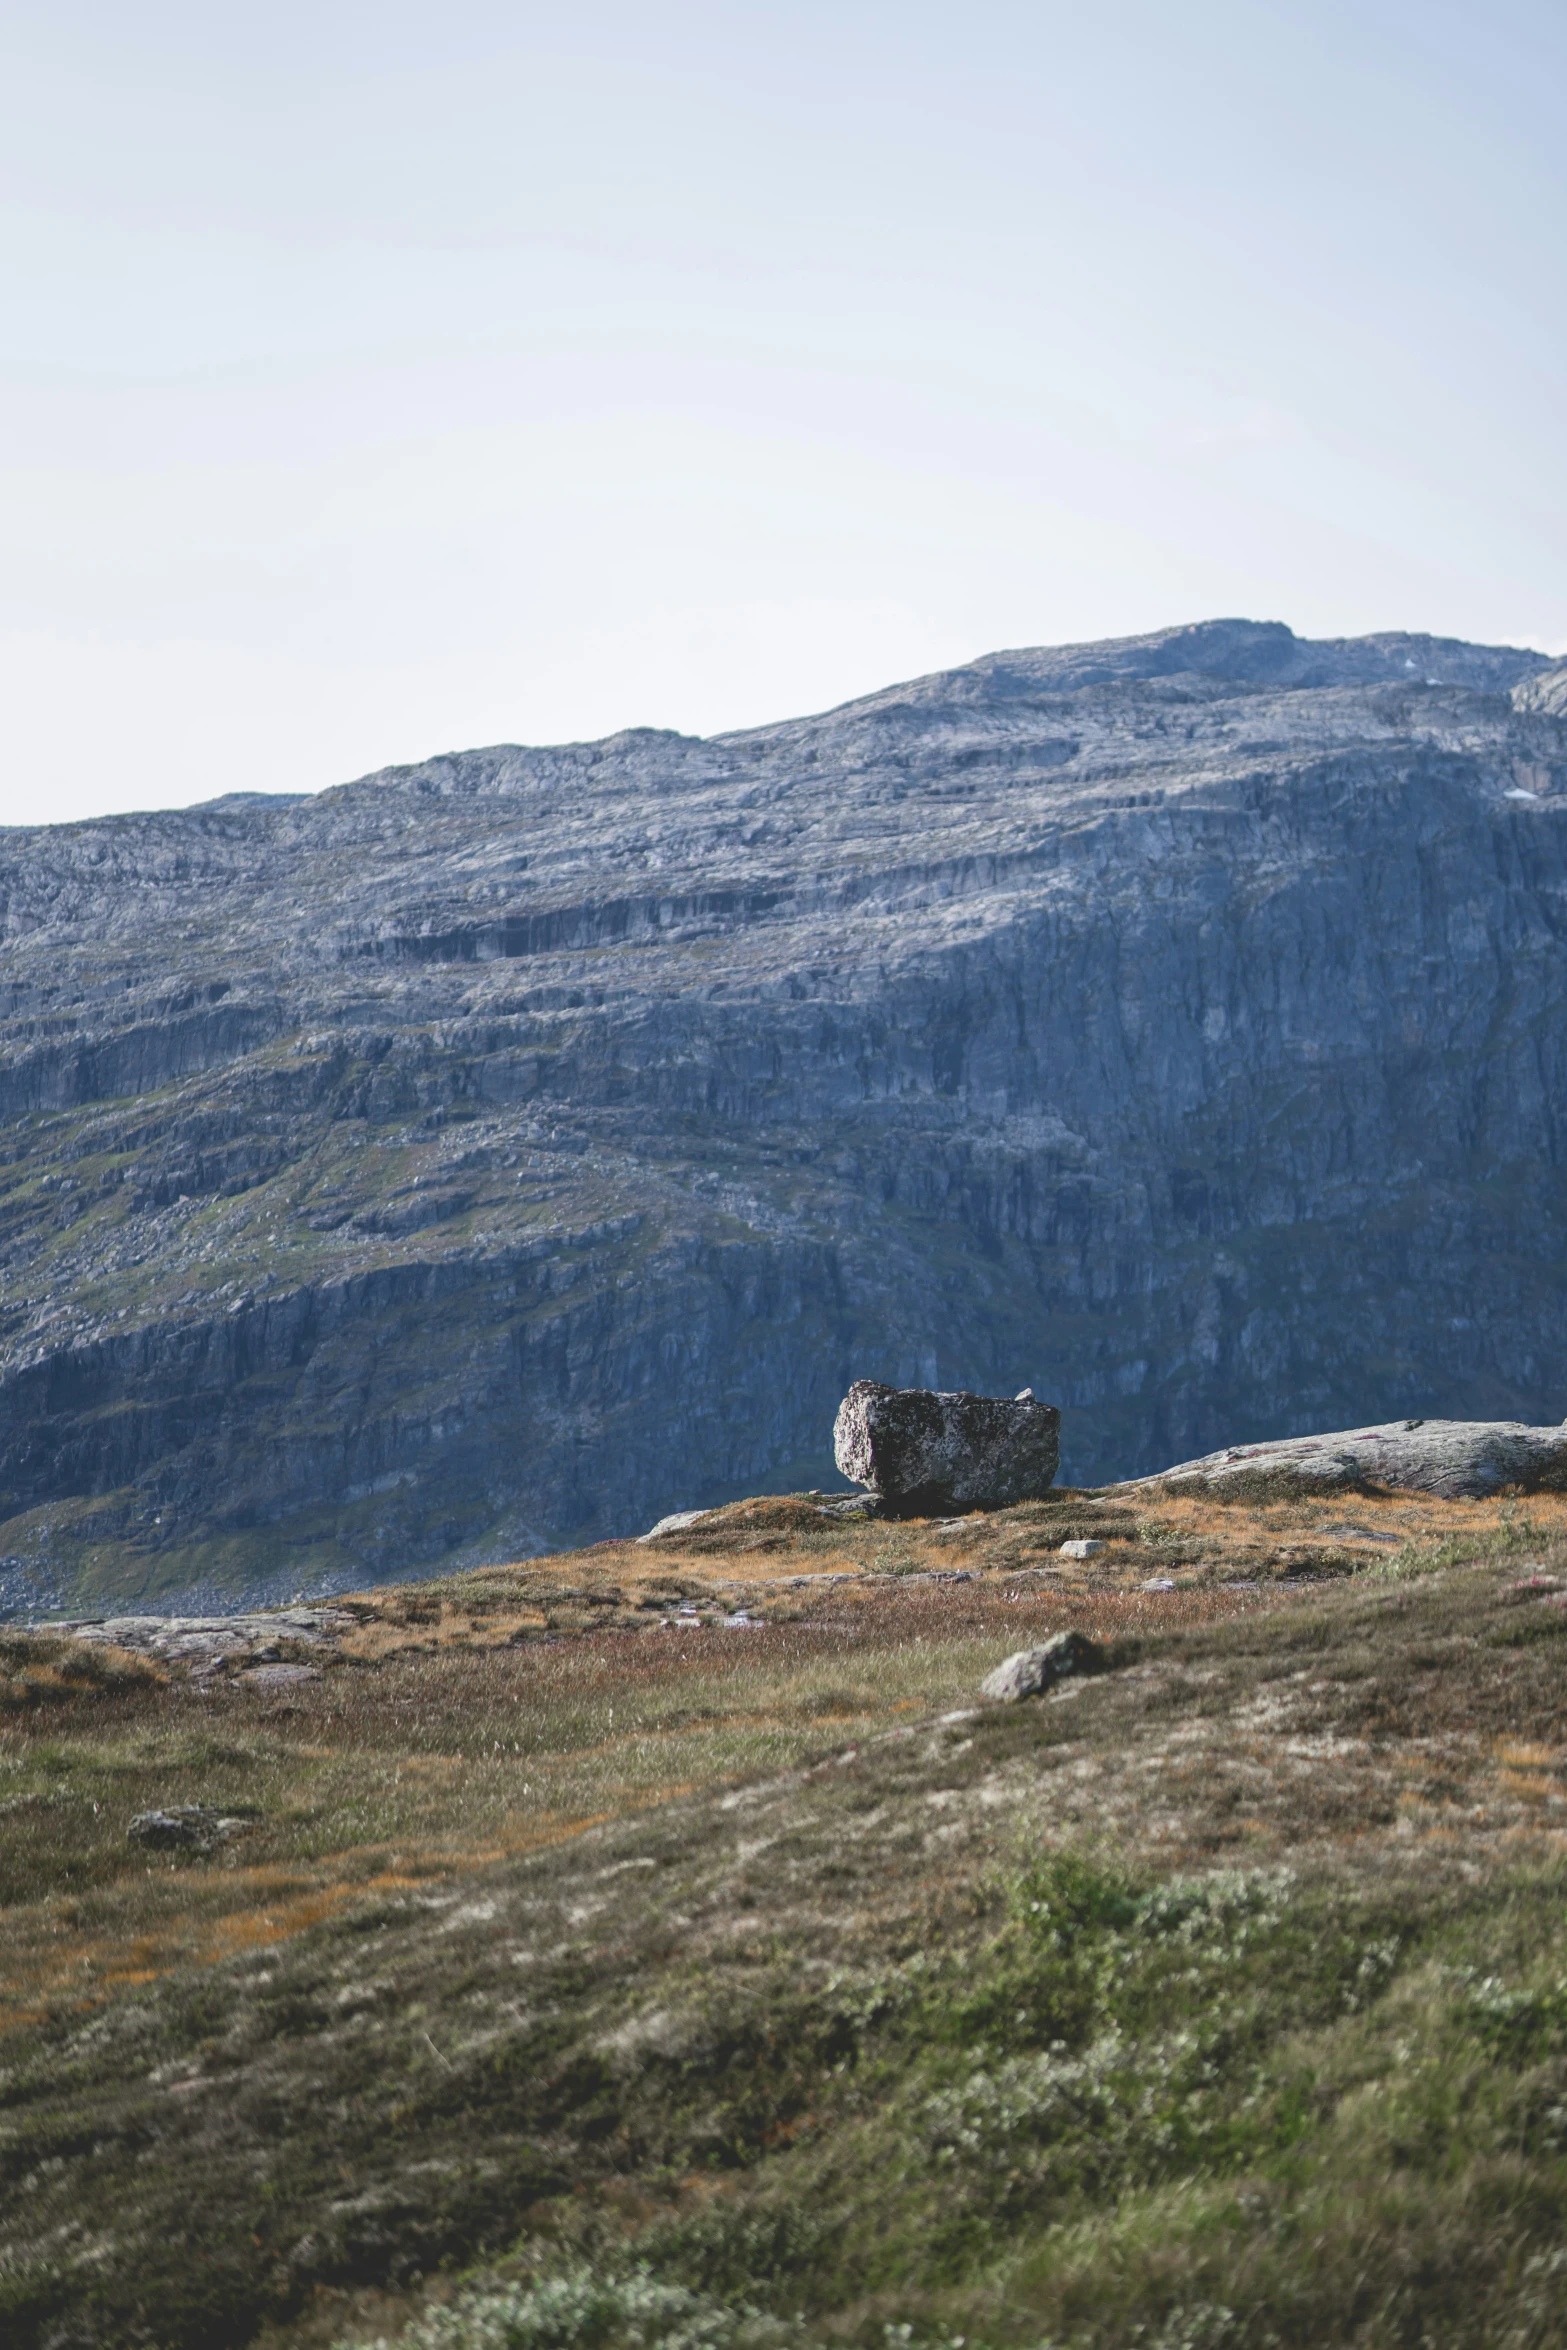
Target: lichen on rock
[(924, 1452), (1457, 1459)]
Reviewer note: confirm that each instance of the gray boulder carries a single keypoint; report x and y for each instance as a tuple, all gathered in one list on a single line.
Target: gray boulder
[(1457, 1459), (926, 1454), (1034, 1670)]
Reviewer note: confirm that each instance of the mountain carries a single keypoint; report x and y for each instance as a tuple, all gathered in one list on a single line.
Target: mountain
[(504, 1150)]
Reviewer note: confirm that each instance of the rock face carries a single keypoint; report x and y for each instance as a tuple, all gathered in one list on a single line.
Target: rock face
[(494, 1151), (1032, 1672), (922, 1454), (1458, 1459), (1545, 692)]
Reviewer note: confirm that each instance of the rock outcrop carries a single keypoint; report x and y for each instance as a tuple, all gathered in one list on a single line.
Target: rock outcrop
[(1546, 691), (674, 1522), (203, 1644), (922, 1454), (444, 1167), (1458, 1459)]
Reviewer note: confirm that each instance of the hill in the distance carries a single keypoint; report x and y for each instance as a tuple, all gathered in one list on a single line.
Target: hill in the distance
[(506, 1150)]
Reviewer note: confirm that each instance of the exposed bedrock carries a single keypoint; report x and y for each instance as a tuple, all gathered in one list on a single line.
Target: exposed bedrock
[(504, 1150), (1458, 1459)]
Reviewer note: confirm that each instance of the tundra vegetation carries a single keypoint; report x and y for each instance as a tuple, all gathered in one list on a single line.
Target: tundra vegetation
[(585, 1966)]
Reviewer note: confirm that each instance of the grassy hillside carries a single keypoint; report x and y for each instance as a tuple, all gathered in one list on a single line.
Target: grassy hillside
[(584, 1964)]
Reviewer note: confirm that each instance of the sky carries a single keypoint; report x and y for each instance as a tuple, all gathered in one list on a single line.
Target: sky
[(383, 380)]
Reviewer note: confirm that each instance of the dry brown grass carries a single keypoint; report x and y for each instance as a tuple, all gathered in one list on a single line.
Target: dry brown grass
[(46, 1669), (404, 1761), (441, 1811), (435, 1757), (776, 1556)]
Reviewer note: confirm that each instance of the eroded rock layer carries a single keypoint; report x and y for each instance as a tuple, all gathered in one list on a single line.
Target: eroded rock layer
[(512, 1147)]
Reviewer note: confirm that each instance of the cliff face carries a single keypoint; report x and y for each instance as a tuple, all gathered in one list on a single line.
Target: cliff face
[(511, 1148)]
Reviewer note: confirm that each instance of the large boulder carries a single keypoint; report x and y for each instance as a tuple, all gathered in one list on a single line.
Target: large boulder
[(1458, 1459), (923, 1453)]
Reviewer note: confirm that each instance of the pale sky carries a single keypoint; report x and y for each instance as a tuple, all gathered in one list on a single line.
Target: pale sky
[(382, 380)]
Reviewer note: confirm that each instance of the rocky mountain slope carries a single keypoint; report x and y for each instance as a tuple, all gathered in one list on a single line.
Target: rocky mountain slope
[(507, 1149)]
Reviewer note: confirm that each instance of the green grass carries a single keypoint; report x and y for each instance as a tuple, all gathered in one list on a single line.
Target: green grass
[(1225, 2109), (1221, 2108), (706, 1989)]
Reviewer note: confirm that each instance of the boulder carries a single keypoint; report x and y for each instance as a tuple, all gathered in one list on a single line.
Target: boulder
[(676, 1523), (1034, 1670), (926, 1454), (1457, 1459)]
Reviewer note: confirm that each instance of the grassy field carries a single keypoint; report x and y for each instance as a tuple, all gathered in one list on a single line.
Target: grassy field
[(663, 1946)]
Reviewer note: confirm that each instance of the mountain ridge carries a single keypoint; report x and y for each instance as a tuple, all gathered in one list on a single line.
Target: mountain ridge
[(506, 1148)]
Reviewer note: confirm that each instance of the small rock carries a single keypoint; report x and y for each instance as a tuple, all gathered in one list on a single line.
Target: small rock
[(1160, 1583), (1086, 1548), (185, 1827), (1034, 1670), (675, 1523), (933, 1454)]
